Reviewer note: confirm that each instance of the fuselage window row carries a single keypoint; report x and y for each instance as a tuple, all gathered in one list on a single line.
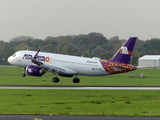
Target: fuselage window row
[(75, 63)]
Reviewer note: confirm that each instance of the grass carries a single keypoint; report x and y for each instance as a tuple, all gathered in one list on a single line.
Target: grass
[(80, 102), (12, 76)]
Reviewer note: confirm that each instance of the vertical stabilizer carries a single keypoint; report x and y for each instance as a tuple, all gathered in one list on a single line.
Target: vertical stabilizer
[(124, 54)]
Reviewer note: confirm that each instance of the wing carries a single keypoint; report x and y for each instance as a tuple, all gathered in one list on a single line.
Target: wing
[(52, 68), (58, 69)]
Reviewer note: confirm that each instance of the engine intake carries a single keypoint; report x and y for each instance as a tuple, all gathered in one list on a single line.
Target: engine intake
[(34, 70)]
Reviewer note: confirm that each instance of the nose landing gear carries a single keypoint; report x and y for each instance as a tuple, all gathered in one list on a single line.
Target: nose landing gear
[(23, 74)]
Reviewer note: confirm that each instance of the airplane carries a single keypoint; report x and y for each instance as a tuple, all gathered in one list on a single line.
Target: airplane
[(36, 63)]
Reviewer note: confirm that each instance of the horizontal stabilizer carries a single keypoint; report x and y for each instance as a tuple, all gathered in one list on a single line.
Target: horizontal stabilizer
[(118, 68)]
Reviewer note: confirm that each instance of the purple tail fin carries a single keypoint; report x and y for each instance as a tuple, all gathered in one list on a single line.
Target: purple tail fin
[(124, 54)]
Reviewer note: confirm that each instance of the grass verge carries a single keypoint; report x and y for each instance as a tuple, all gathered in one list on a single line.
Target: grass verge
[(80, 102), (12, 76)]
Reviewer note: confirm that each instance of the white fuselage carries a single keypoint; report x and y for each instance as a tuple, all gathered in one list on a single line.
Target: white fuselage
[(82, 65)]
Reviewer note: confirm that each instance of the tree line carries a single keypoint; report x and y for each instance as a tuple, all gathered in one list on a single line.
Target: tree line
[(89, 45)]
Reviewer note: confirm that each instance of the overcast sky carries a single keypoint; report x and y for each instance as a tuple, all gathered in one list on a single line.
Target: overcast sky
[(43, 18)]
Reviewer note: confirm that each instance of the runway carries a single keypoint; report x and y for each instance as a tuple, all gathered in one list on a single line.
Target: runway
[(79, 88)]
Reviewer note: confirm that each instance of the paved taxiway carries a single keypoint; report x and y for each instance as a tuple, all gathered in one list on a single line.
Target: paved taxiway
[(80, 88)]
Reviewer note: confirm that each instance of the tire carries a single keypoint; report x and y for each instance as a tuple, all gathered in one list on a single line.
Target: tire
[(55, 80), (76, 80), (23, 75)]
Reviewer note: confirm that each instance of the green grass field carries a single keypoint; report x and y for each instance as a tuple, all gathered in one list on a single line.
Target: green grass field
[(12, 76), (81, 102)]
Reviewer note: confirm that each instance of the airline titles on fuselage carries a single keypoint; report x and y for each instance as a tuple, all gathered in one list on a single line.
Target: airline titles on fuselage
[(47, 59), (91, 62), (39, 58)]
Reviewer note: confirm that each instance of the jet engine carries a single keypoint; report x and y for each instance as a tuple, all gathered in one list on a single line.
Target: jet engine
[(65, 75), (34, 70)]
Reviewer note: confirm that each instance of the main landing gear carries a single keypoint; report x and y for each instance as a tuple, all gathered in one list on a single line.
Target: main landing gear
[(56, 80), (76, 80)]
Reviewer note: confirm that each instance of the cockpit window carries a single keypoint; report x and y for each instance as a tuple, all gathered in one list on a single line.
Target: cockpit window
[(13, 55)]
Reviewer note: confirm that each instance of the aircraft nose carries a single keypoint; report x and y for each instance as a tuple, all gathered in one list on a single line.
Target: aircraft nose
[(9, 60)]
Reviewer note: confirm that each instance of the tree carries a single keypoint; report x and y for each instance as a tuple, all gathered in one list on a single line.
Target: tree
[(68, 49), (36, 44), (21, 38), (22, 46), (50, 40), (61, 46), (49, 48), (6, 52)]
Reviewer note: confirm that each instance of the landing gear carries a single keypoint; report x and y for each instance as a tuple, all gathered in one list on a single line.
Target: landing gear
[(23, 74), (76, 80), (55, 80)]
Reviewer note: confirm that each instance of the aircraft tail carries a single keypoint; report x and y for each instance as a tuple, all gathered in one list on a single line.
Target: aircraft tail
[(124, 54)]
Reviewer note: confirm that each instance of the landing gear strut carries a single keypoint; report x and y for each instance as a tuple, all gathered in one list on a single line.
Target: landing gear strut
[(55, 79), (23, 74)]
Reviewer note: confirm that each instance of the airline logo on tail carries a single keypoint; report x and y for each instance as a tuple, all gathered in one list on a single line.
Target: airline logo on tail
[(124, 50)]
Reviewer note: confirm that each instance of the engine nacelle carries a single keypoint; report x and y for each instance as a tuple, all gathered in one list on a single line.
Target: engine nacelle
[(65, 75), (34, 70)]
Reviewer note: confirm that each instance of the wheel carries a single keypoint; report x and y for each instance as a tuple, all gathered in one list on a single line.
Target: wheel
[(23, 75), (76, 80), (55, 80)]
